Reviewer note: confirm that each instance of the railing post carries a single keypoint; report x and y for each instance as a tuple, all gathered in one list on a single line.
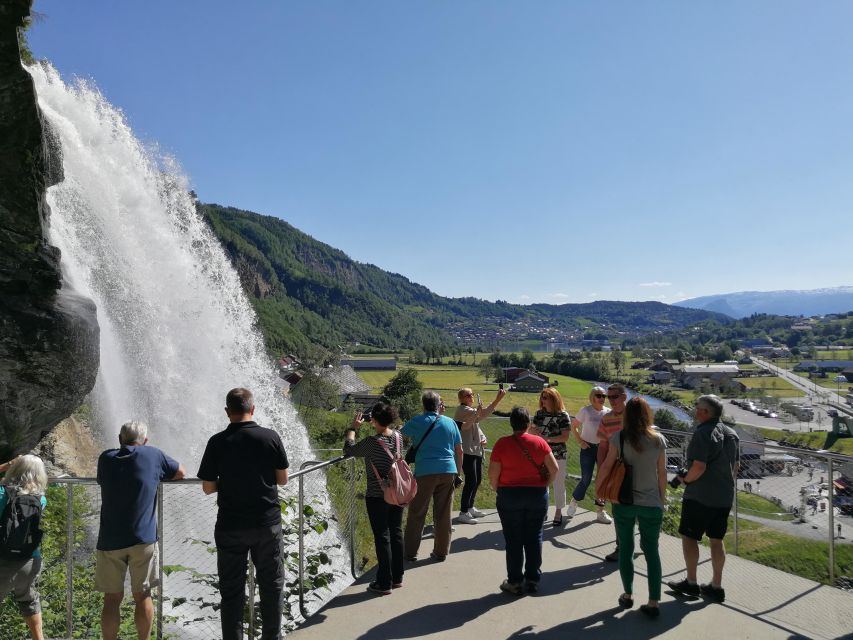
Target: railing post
[(69, 559), (160, 548), (353, 515), (831, 528), (251, 600), (736, 513), (301, 544)]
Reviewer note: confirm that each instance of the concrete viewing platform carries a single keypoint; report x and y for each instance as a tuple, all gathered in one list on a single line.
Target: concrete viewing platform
[(459, 598)]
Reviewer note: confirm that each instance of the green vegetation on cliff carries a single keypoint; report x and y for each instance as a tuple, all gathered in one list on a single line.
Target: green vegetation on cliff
[(308, 293)]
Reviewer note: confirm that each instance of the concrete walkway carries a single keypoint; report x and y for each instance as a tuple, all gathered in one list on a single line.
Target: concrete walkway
[(460, 598)]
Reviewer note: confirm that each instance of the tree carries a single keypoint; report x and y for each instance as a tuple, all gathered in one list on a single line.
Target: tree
[(618, 359), (665, 419), (486, 370), (404, 392)]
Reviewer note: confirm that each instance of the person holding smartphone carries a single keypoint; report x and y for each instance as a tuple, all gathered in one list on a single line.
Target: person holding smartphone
[(468, 418)]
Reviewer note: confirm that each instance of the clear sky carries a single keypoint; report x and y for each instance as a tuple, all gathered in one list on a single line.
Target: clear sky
[(527, 151)]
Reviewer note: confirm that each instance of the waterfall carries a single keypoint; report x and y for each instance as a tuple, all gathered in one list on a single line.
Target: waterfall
[(177, 331)]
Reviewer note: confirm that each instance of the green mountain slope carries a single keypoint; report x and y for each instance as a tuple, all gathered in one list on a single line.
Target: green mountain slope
[(307, 292)]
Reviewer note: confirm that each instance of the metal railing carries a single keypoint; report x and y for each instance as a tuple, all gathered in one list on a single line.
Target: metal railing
[(318, 529), (784, 496)]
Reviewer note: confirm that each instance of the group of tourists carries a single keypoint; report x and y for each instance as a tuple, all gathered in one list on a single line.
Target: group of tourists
[(245, 464), (528, 465)]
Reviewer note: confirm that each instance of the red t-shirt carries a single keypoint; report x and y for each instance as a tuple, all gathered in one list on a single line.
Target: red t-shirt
[(516, 469)]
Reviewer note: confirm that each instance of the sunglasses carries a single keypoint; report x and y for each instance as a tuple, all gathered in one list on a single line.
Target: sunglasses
[(609, 397), (600, 396)]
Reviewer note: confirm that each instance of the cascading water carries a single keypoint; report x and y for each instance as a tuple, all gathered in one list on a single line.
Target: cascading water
[(177, 331)]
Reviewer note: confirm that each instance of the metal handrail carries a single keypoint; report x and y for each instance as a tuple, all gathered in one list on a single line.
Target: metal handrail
[(305, 469)]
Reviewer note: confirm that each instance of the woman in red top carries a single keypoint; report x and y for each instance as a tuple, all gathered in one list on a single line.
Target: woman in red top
[(514, 472)]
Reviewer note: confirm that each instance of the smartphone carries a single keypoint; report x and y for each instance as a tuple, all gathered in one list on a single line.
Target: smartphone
[(501, 385), (478, 400), (367, 414)]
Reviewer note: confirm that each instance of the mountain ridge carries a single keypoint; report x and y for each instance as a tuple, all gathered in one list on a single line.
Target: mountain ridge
[(789, 302), (306, 292)]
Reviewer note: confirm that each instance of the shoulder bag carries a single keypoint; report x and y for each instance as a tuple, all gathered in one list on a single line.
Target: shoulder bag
[(618, 485), (413, 450), (541, 468)]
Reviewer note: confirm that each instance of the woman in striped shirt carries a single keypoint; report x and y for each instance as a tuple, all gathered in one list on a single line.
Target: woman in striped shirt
[(385, 519)]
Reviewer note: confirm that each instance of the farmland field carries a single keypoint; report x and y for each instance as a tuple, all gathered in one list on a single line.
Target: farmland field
[(772, 386), (447, 380)]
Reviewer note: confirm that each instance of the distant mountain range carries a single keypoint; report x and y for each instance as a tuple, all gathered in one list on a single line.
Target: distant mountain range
[(811, 302), (308, 293)]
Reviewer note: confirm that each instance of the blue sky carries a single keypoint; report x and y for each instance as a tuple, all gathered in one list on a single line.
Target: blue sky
[(526, 151)]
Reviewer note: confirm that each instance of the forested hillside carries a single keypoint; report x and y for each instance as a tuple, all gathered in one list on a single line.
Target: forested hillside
[(307, 292)]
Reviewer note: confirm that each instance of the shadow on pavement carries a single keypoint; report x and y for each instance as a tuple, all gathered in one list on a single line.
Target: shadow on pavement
[(435, 618), (606, 624)]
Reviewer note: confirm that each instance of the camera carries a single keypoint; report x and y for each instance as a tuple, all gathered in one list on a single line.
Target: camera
[(679, 476)]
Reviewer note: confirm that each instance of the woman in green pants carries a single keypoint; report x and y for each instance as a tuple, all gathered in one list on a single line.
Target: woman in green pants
[(644, 450)]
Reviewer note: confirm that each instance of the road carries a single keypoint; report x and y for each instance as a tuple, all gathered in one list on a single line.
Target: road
[(822, 393), (819, 399)]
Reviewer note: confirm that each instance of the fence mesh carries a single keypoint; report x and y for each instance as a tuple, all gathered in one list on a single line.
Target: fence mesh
[(781, 518), (71, 607)]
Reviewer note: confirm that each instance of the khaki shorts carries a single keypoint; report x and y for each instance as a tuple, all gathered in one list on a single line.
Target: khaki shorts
[(111, 568)]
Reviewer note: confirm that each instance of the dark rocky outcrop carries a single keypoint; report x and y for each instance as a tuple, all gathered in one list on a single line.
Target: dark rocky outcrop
[(48, 334)]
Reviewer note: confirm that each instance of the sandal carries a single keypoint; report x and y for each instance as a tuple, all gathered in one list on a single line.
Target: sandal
[(558, 520), (626, 601)]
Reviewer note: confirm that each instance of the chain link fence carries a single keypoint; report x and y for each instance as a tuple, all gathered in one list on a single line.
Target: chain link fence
[(319, 520)]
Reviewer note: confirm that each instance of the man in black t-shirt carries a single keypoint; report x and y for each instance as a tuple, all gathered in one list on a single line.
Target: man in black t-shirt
[(243, 465)]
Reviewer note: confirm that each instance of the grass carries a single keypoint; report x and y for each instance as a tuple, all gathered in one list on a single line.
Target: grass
[(447, 380), (810, 440), (754, 505), (772, 386), (791, 554)]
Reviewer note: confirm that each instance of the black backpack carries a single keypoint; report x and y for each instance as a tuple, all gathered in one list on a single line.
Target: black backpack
[(20, 525)]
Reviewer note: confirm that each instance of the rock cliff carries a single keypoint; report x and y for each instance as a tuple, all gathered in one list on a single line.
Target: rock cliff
[(48, 334)]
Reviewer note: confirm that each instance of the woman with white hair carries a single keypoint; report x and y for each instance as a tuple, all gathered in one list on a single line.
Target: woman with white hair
[(585, 428), (25, 477)]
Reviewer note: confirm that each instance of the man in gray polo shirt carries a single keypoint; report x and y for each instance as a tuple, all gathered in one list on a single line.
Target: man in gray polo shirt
[(712, 459)]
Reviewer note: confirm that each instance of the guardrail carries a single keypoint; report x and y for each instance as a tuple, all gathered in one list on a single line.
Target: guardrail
[(318, 529), (784, 493)]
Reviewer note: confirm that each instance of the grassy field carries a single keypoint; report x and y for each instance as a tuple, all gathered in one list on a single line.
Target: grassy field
[(447, 380), (799, 556), (810, 440), (772, 386), (755, 505)]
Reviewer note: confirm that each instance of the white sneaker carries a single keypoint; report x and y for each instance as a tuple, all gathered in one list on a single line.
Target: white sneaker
[(476, 513), (467, 518), (571, 509), (603, 518)]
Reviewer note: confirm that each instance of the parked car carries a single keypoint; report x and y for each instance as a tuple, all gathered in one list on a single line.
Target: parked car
[(772, 414)]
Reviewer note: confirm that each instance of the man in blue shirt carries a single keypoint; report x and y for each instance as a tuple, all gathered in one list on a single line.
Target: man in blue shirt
[(437, 465), (129, 478)]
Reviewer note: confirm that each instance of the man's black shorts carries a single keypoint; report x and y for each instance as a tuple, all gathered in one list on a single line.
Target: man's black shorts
[(698, 520)]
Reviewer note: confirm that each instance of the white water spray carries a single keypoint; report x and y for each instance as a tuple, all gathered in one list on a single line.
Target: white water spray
[(177, 331)]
